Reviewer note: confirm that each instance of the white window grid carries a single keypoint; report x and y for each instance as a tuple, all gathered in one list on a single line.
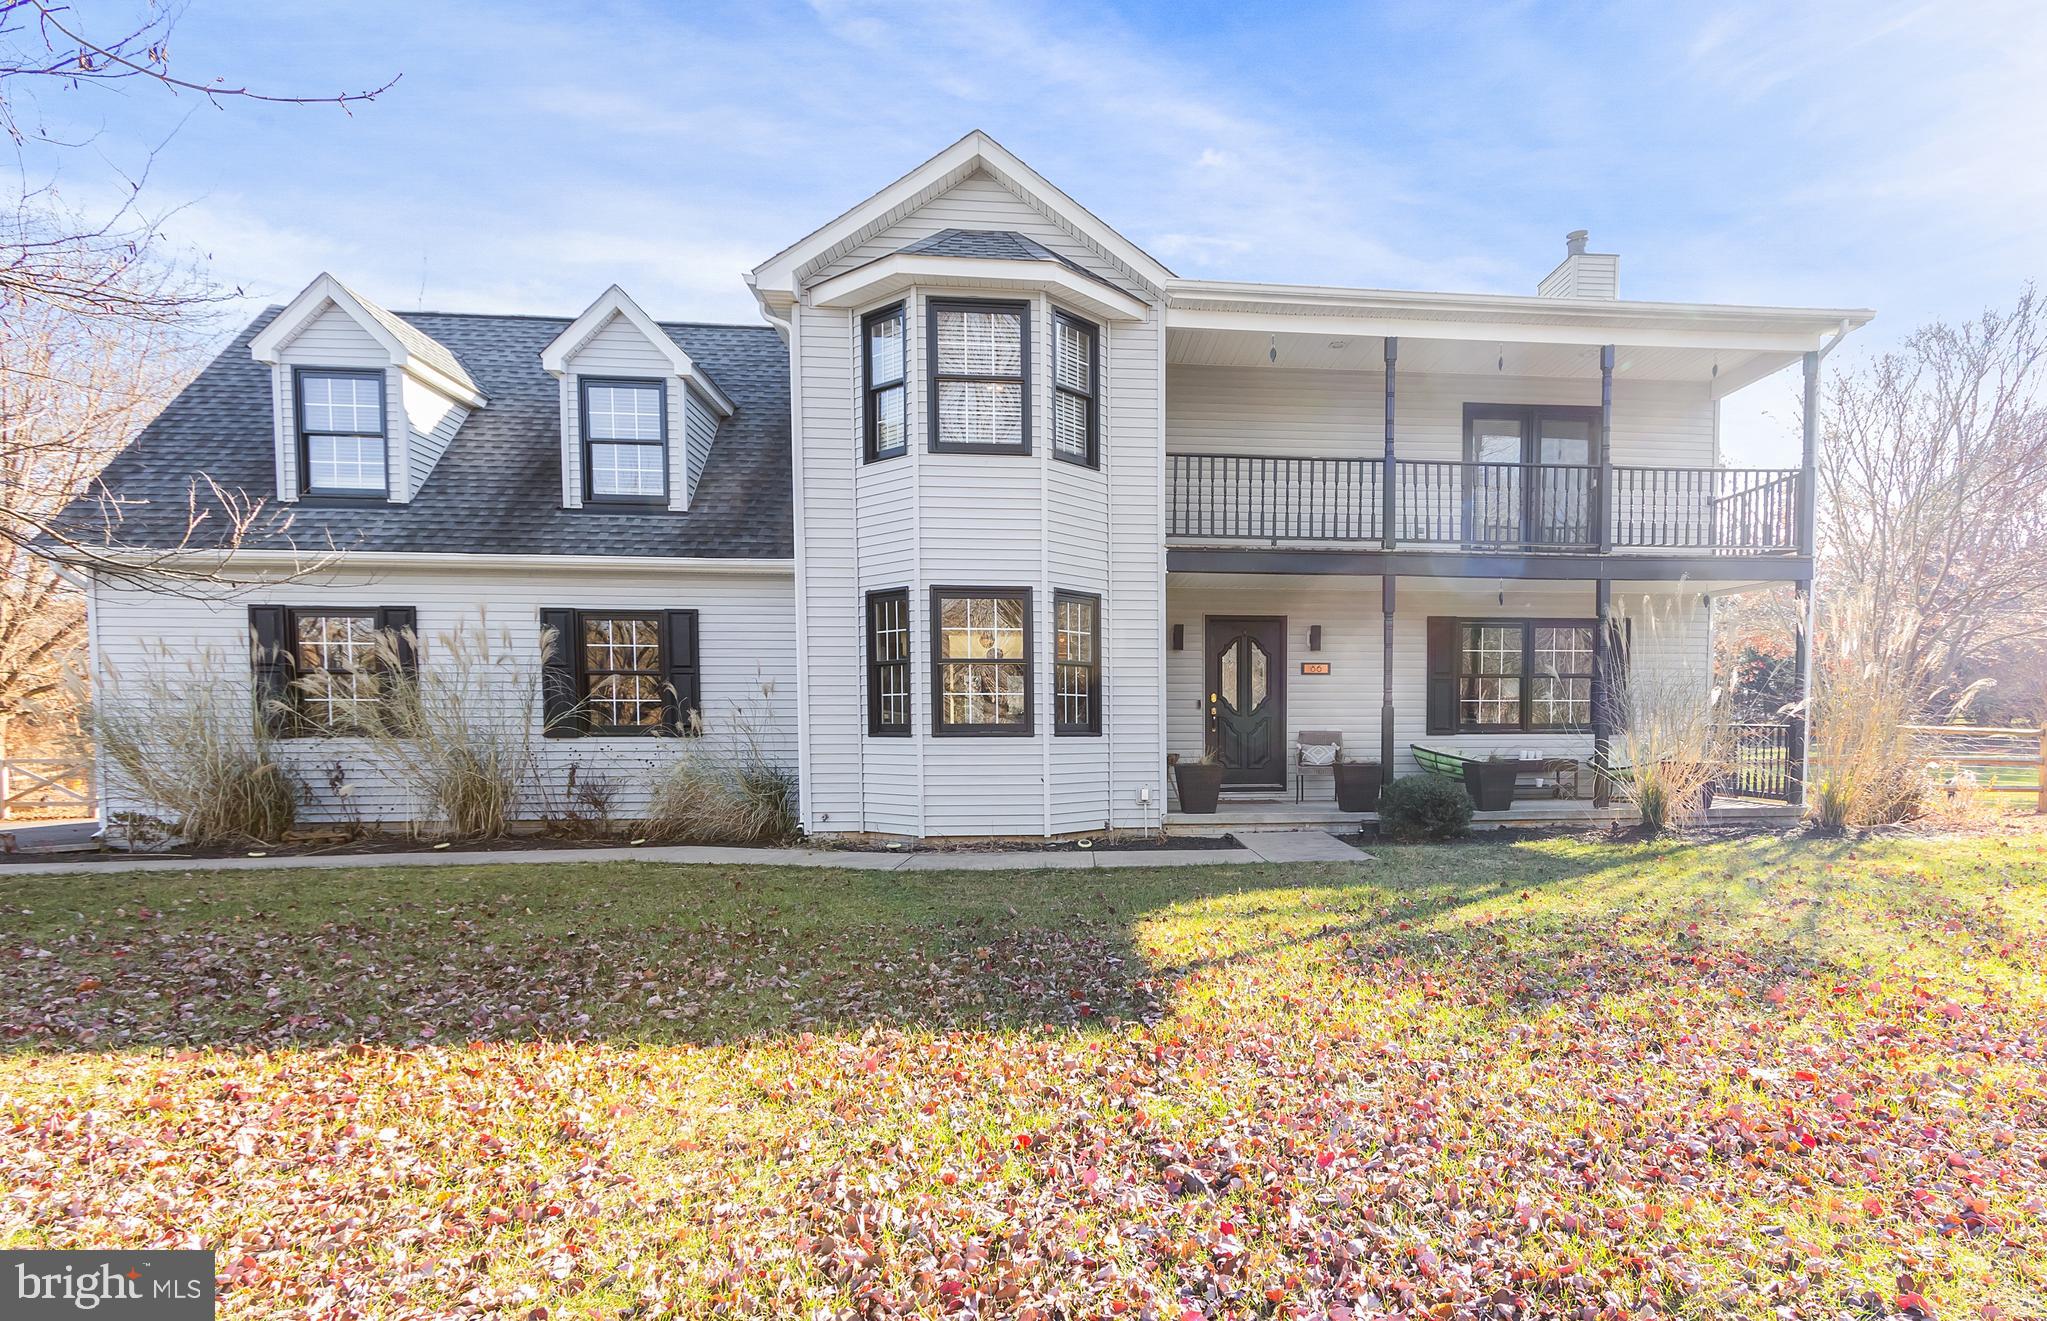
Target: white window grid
[(334, 654)]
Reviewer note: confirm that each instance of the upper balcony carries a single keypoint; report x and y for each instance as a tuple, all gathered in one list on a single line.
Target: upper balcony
[(1512, 508), (1574, 434)]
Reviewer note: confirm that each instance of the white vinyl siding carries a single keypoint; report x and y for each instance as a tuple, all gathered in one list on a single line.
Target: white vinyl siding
[(1253, 410), (987, 520), (982, 201), (747, 638), (1669, 636)]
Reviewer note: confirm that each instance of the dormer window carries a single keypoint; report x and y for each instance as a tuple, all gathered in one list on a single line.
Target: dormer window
[(625, 440), (341, 433), (982, 360)]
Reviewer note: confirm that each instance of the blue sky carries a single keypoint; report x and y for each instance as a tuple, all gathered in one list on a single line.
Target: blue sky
[(1876, 154)]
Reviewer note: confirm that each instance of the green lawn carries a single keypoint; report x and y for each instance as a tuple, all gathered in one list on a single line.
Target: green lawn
[(1760, 1078)]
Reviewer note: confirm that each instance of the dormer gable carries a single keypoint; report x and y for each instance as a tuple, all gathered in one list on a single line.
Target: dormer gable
[(364, 403), (638, 417)]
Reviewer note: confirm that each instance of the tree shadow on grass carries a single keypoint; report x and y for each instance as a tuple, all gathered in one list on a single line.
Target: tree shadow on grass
[(705, 955)]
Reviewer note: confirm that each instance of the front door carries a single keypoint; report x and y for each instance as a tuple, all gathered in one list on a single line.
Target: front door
[(1246, 700)]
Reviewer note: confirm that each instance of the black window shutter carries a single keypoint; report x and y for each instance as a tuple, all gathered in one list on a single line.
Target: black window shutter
[(402, 623), (683, 692), (272, 665), (561, 706), (1442, 675)]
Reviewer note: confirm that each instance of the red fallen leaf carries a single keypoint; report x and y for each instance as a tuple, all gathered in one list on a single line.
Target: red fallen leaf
[(1950, 1010), (1777, 995), (1326, 1159), (1913, 1302), (1842, 1101), (1274, 1294), (1873, 1205), (1806, 1075), (948, 1178), (89, 984), (1022, 1142)]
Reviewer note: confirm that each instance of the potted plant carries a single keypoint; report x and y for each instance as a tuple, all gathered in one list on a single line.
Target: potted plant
[(1200, 782), (1491, 783), (1357, 785)]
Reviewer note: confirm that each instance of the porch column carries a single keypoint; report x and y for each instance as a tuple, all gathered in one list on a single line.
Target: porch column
[(1603, 504), (1386, 493), (1602, 598), (1386, 596), (1797, 766), (1808, 469)]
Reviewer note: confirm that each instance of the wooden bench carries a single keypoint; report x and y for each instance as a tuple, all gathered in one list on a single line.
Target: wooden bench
[(1562, 772)]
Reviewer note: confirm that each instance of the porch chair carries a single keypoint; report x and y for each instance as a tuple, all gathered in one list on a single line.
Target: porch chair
[(1316, 750)]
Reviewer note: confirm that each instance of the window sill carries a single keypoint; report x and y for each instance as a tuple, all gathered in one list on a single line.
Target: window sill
[(1022, 451), (984, 731)]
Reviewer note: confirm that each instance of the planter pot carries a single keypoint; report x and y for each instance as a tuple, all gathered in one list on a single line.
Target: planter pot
[(1200, 785), (1357, 786), (1490, 784)]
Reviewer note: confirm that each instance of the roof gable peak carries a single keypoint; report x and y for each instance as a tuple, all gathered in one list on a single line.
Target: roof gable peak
[(778, 278)]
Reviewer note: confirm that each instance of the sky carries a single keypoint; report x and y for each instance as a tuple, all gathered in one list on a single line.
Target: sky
[(1870, 154)]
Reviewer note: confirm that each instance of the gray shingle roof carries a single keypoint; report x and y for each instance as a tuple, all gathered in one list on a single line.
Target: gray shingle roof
[(417, 342), (995, 245), (497, 489)]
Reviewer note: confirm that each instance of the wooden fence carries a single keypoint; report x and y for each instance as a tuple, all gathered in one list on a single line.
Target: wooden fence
[(47, 786), (1987, 757)]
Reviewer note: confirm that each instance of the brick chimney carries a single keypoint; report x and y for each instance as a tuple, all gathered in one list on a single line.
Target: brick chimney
[(1582, 274)]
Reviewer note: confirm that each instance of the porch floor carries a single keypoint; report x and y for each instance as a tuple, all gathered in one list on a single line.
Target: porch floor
[(1280, 812)]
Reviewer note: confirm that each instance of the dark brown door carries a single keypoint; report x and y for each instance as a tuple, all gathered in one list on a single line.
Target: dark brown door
[(1247, 700)]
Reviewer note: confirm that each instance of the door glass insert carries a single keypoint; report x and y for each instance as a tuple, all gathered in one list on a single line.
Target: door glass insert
[(1258, 673), (1227, 688)]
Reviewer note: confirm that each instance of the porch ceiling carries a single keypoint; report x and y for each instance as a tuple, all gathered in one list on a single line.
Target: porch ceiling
[(1725, 369)]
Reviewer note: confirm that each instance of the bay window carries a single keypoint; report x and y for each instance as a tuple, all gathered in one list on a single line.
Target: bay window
[(981, 660), (884, 412), (1076, 390), (980, 377)]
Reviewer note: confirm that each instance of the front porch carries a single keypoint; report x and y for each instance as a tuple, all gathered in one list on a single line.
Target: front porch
[(1418, 674), (1249, 812)]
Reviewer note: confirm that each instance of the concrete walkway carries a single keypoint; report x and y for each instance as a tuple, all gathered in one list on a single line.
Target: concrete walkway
[(1270, 847), (1300, 846)]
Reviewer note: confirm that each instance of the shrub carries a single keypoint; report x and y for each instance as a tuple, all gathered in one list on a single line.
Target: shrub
[(725, 789), (456, 733), (1674, 739), (1424, 807), (1866, 769), (195, 748)]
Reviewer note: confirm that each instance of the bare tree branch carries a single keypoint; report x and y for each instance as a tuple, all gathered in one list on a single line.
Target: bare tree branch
[(1934, 468), (42, 41)]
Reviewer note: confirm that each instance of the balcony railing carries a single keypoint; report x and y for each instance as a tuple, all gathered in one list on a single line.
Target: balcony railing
[(1514, 507)]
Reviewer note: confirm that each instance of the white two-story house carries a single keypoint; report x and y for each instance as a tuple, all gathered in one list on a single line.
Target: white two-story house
[(993, 517)]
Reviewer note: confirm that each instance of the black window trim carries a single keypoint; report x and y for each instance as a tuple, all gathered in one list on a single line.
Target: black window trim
[(1022, 308), (900, 310), (1528, 675), (1530, 416), (590, 496), (940, 727), (1093, 727), (876, 727), (1093, 396), (367, 494), (580, 659), (276, 667)]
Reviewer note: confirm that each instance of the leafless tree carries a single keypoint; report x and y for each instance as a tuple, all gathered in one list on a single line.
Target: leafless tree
[(1934, 473), (99, 328), (53, 45)]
